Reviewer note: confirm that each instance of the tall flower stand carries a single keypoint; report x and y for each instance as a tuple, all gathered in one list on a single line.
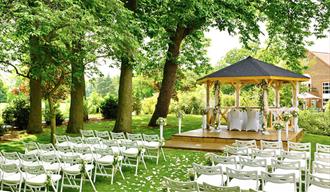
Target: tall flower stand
[(180, 122), (295, 124), (204, 126), (287, 130), (279, 135)]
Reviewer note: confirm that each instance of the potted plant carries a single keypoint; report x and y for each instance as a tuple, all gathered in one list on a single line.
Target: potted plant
[(286, 116), (278, 126)]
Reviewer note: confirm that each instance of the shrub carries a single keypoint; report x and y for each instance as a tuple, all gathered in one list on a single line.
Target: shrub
[(137, 105), (109, 108), (315, 122), (148, 104), (17, 114), (58, 113)]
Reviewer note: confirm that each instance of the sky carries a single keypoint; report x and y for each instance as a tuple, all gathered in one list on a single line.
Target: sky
[(222, 42)]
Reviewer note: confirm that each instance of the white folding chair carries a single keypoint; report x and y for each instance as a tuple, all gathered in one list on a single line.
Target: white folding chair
[(92, 142), (175, 186), (118, 136), (235, 122), (137, 137), (224, 162), (253, 120), (211, 188), (212, 175), (107, 164), (47, 149), (74, 170), (317, 184), (271, 146), (11, 158), (248, 164), (244, 179), (278, 182), (236, 151), (153, 143), (86, 154), (65, 151), (86, 133), (290, 156), (268, 155), (36, 179), (11, 176), (133, 155), (321, 170), (76, 141), (62, 140), (250, 144), (103, 135), (51, 163), (302, 147), (31, 148), (114, 146), (322, 158), (321, 148), (291, 167), (29, 160)]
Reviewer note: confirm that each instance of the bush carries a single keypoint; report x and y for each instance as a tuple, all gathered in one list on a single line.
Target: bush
[(148, 104), (109, 108), (17, 114), (137, 105), (315, 122), (58, 113)]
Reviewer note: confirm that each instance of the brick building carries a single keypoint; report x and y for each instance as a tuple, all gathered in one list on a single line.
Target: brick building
[(319, 71)]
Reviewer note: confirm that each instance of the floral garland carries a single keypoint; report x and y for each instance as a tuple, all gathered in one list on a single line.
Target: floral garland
[(278, 125), (294, 113), (264, 86), (286, 116)]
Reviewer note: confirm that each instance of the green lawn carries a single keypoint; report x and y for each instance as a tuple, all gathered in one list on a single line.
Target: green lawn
[(178, 161)]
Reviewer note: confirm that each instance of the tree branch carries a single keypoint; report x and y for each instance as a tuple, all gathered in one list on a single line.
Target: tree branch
[(16, 69)]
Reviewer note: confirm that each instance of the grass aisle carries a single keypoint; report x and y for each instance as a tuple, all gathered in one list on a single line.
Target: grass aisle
[(176, 166)]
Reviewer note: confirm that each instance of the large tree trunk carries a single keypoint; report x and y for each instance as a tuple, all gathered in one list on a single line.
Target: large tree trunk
[(35, 116), (76, 118), (86, 118), (52, 116), (169, 76), (125, 97), (125, 107)]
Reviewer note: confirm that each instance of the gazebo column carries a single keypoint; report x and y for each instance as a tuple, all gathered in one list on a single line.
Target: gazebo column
[(217, 102), (277, 88), (237, 86), (207, 103), (295, 102)]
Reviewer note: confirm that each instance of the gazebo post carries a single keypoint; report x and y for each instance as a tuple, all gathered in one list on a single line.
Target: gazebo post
[(217, 102), (237, 86), (295, 102), (277, 88), (207, 103)]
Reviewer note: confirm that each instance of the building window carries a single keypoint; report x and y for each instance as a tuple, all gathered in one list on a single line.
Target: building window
[(324, 102), (326, 87)]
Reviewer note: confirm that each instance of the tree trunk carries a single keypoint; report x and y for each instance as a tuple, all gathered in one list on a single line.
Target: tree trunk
[(52, 116), (35, 116), (169, 76), (125, 100), (125, 96), (86, 118), (76, 117)]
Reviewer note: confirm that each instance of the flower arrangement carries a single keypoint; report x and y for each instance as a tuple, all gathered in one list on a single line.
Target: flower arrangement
[(278, 125), (208, 157), (191, 174), (286, 116), (180, 114), (161, 121), (294, 113), (204, 111)]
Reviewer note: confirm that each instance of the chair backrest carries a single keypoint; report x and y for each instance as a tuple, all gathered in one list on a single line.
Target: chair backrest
[(230, 150), (279, 178), (87, 133), (120, 135), (34, 170), (64, 149), (83, 150), (91, 140), (74, 159), (28, 157), (318, 181), (10, 155), (223, 160), (242, 175), (293, 146), (134, 137), (252, 162), (46, 147), (10, 168), (129, 144), (321, 148), (296, 155), (207, 170), (61, 138), (321, 168), (172, 185), (110, 143), (288, 165), (49, 158), (30, 146), (248, 143), (322, 157), (76, 140), (103, 135), (263, 153), (150, 137), (271, 144), (103, 152), (211, 188)]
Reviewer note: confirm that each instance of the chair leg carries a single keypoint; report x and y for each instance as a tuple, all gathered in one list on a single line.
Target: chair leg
[(137, 166), (81, 182), (62, 182), (112, 174), (157, 157), (163, 153), (95, 171)]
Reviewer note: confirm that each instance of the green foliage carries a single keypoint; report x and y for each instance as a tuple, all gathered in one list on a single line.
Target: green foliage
[(94, 101), (109, 108), (315, 122), (3, 92), (58, 114), (148, 104), (17, 114), (137, 105), (327, 107)]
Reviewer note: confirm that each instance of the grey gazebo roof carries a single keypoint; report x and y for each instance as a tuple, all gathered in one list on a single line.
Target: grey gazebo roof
[(251, 69)]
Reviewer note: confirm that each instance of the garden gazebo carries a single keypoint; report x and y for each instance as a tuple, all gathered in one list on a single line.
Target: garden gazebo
[(252, 71)]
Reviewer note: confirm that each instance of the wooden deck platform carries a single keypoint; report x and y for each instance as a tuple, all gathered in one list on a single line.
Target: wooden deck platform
[(216, 140)]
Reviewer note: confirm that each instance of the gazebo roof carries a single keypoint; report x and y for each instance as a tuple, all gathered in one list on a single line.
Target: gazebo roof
[(251, 69)]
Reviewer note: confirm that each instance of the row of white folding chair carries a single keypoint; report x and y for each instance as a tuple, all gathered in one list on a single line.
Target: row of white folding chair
[(317, 184), (34, 177), (321, 148)]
